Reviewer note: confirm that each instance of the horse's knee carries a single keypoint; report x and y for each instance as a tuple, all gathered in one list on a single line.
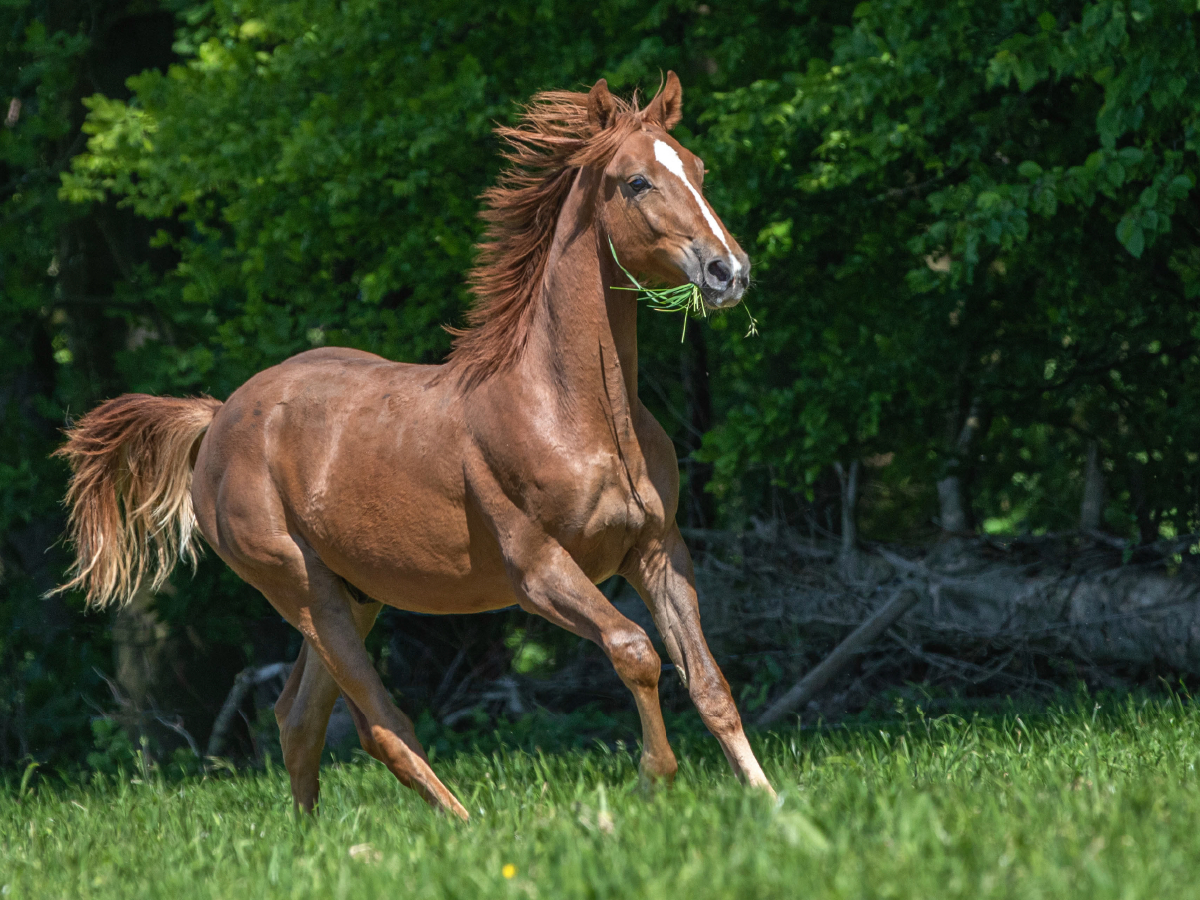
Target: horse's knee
[(366, 734), (633, 657)]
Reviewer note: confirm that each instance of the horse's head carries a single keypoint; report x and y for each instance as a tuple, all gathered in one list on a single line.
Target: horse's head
[(652, 207)]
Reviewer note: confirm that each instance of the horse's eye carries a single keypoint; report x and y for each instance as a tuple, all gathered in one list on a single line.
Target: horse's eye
[(639, 184)]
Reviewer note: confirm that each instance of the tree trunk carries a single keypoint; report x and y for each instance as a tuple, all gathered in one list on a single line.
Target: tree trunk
[(699, 511), (849, 485), (1091, 510), (849, 562), (141, 649), (954, 507), (952, 504)]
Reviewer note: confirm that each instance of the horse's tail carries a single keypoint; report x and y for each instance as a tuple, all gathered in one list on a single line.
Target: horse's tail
[(130, 497)]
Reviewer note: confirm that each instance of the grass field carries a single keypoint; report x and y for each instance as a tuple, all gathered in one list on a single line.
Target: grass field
[(1088, 800)]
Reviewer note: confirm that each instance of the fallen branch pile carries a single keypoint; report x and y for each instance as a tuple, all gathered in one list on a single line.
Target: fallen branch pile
[(966, 614)]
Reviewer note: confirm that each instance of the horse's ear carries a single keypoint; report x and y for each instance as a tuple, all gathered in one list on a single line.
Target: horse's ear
[(601, 105), (666, 109)]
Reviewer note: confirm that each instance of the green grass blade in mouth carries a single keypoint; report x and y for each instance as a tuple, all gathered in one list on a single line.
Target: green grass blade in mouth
[(686, 299)]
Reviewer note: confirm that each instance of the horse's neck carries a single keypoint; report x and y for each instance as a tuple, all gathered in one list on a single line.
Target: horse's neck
[(584, 331)]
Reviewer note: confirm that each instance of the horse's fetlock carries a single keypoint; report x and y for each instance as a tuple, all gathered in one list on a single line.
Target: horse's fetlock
[(659, 767)]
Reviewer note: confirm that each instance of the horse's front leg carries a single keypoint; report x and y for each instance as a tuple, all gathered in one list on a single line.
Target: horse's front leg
[(663, 576), (550, 583)]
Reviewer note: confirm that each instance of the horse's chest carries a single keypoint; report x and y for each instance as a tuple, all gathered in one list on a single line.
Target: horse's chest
[(590, 493)]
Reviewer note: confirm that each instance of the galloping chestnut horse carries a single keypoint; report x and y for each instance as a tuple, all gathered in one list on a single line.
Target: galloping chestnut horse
[(524, 470)]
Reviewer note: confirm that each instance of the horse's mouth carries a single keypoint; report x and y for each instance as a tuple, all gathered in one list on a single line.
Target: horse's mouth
[(721, 299)]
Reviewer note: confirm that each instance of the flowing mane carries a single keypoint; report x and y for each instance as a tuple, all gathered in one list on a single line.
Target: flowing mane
[(552, 141)]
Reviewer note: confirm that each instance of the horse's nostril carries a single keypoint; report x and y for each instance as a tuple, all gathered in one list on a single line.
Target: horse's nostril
[(718, 270)]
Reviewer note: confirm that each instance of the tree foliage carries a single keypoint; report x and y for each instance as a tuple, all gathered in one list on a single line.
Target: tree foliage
[(321, 165), (985, 206), (42, 66)]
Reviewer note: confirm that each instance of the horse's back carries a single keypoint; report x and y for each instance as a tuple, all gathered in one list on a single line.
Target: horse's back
[(335, 354), (301, 396)]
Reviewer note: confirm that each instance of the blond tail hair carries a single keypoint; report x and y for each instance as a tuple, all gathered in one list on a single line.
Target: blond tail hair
[(130, 496)]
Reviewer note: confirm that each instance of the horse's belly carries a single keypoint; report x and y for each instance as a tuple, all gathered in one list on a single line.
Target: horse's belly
[(424, 576), (434, 563), (434, 593)]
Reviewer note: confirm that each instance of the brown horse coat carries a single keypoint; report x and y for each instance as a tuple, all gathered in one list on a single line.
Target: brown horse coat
[(524, 470)]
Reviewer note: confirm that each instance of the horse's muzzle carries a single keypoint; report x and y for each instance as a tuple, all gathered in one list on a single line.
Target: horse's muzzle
[(725, 279)]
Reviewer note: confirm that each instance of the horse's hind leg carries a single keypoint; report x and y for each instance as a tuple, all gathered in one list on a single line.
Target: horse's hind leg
[(302, 712), (302, 728), (316, 602), (387, 734)]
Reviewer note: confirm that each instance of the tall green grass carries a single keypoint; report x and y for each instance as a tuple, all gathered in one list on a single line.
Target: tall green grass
[(1091, 800)]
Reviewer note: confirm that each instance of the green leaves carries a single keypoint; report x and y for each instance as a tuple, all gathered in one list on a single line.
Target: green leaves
[(1131, 236), (988, 188), (325, 162), (684, 299)]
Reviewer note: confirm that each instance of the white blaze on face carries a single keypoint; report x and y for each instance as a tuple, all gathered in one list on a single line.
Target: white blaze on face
[(665, 154)]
